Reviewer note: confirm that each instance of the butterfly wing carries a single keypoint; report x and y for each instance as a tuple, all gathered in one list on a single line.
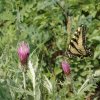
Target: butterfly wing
[(82, 40), (77, 44)]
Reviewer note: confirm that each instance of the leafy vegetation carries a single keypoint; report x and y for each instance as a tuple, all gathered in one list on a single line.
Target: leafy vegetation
[(41, 23)]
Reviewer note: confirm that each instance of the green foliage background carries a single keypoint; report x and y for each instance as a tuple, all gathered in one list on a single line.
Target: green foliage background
[(40, 23)]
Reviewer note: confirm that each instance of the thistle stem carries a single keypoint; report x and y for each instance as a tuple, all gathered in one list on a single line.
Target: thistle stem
[(24, 80)]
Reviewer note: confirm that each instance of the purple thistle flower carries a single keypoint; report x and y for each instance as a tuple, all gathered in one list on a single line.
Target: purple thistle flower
[(66, 67), (23, 52)]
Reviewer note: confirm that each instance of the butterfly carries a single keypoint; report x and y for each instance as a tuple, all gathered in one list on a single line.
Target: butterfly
[(77, 45)]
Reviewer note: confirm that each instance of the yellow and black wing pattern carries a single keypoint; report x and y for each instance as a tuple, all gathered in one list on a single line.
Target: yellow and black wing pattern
[(77, 46)]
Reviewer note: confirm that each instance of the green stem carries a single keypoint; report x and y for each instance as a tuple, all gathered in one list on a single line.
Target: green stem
[(24, 80), (68, 22)]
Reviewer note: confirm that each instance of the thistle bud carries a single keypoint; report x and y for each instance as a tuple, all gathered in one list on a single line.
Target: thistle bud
[(23, 52), (66, 67)]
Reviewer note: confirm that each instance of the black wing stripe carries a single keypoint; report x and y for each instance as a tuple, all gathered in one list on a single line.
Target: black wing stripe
[(73, 39), (76, 35), (75, 47)]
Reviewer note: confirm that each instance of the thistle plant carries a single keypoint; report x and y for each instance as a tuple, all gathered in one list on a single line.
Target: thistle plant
[(66, 67), (23, 54)]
